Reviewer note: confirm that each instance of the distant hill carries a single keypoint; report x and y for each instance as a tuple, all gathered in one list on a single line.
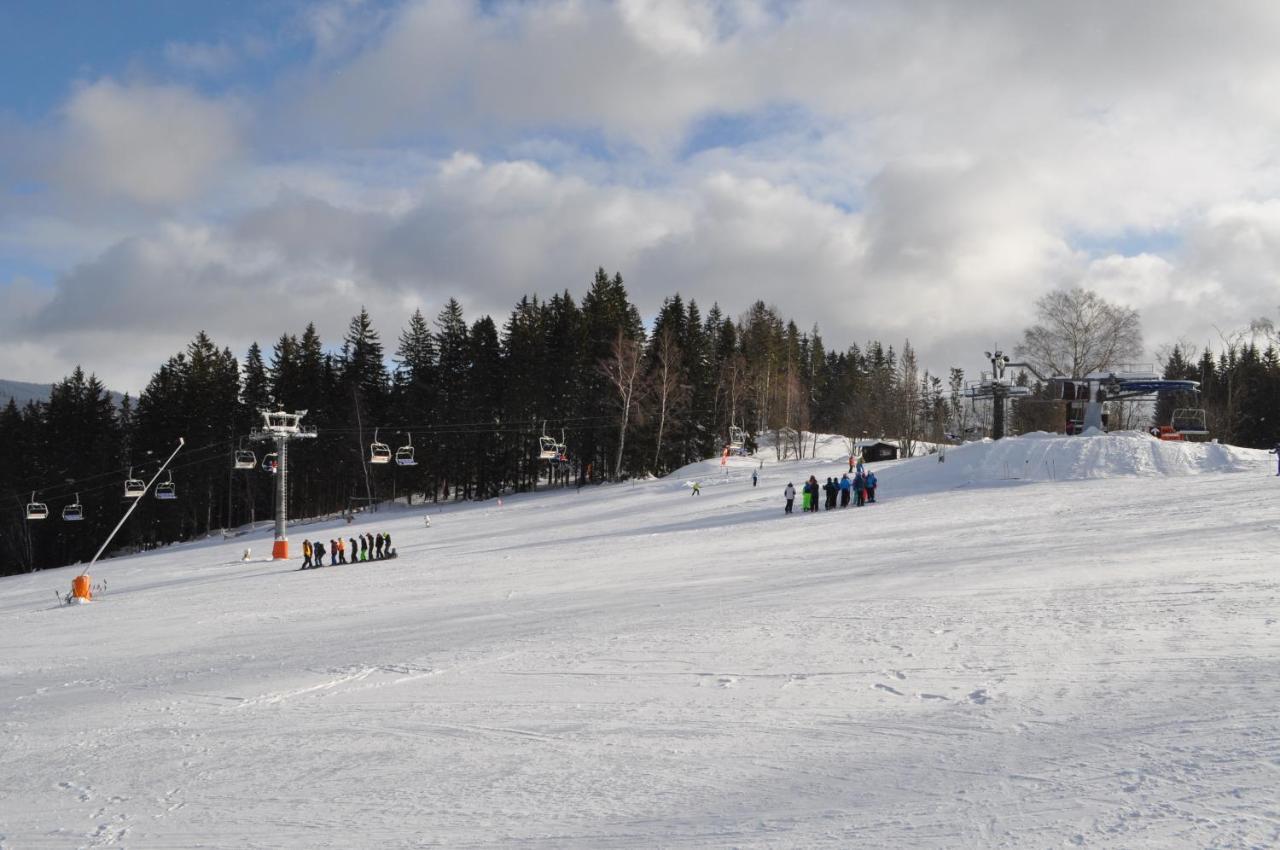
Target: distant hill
[(23, 392)]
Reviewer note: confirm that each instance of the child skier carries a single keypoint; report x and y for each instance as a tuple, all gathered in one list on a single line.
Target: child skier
[(790, 495)]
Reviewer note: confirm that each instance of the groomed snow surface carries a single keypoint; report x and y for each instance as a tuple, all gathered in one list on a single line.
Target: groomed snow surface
[(1041, 642)]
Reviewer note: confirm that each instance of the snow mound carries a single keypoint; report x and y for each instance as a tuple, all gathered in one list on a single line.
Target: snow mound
[(1053, 457)]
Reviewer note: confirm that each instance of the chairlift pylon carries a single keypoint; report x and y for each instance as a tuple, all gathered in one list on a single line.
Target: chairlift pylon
[(133, 487), (379, 452), (167, 491), (36, 510), (73, 512), (404, 454)]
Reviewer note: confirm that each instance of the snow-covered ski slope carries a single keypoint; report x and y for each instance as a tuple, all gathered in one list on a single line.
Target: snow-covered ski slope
[(1041, 642)]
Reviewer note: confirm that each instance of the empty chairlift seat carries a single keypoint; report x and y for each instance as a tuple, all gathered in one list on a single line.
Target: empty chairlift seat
[(404, 454), (37, 510), (245, 459), (379, 452), (167, 491), (1189, 421), (73, 512), (133, 487)]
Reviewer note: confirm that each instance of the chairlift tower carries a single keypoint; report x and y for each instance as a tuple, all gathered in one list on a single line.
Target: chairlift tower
[(994, 388), (281, 427)]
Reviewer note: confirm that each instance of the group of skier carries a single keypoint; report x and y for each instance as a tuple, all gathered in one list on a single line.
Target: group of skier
[(860, 489), (365, 547)]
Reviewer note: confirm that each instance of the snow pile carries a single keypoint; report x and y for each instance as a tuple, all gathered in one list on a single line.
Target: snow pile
[(1031, 457), (1053, 457)]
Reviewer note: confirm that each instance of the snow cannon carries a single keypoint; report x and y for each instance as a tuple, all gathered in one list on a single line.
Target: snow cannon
[(81, 589)]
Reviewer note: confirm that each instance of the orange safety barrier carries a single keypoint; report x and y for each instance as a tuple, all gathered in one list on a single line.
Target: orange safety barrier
[(280, 550), (80, 588)]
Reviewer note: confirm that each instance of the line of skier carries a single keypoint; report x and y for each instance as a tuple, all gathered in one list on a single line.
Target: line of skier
[(860, 490), (364, 547)]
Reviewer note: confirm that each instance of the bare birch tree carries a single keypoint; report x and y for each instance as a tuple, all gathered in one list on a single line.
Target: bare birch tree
[(667, 382), (623, 369), (1079, 333)]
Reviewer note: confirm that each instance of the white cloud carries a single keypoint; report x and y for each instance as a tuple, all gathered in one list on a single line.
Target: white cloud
[(923, 170), (145, 143), (200, 57)]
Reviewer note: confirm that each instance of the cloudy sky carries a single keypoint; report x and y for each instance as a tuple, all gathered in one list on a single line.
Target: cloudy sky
[(891, 169)]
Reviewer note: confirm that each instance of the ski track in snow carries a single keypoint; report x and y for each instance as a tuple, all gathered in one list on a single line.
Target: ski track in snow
[(1078, 654)]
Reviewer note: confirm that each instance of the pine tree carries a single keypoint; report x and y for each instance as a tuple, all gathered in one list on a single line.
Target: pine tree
[(451, 394)]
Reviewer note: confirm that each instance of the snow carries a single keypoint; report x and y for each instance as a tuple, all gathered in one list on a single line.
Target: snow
[(1039, 642)]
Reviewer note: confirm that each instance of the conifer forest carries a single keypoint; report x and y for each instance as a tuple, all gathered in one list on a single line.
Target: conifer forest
[(473, 398)]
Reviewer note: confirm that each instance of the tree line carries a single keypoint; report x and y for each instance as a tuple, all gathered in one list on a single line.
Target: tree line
[(472, 398)]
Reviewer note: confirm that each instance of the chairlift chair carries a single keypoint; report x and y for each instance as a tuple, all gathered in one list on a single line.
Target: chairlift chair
[(404, 454), (1189, 420), (245, 459), (167, 491), (548, 448), (737, 440), (271, 463), (73, 512), (134, 487), (37, 510), (379, 452)]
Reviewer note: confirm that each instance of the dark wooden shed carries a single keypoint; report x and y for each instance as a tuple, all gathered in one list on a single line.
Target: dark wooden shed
[(873, 452)]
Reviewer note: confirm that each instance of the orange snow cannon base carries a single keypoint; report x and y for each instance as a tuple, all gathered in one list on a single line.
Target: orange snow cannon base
[(80, 588)]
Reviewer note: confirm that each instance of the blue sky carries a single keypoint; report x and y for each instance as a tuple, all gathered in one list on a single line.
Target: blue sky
[(908, 171), (46, 47)]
